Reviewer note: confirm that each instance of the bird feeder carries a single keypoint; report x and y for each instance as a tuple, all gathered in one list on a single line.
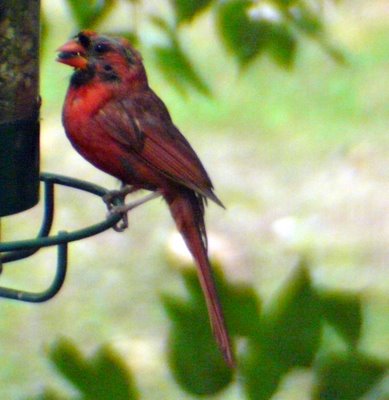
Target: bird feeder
[(20, 179)]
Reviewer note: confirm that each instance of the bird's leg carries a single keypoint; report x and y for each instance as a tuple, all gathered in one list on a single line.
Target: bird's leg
[(123, 209), (110, 197)]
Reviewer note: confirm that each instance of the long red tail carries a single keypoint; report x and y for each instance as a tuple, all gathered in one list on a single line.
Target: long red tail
[(187, 209)]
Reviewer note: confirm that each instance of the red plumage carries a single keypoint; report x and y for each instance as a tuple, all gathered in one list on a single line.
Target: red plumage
[(116, 122)]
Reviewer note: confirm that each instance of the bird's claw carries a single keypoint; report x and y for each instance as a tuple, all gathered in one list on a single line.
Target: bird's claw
[(116, 196), (114, 199), (123, 223), (108, 199), (122, 209)]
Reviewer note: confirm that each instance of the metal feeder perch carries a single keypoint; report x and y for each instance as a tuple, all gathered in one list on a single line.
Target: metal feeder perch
[(19, 148)]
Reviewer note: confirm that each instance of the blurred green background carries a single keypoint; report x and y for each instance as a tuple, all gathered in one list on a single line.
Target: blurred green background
[(299, 155)]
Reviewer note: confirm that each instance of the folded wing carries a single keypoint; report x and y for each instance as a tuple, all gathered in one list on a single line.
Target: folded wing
[(136, 126)]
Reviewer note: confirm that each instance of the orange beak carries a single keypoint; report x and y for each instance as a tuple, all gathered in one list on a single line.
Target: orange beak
[(73, 54)]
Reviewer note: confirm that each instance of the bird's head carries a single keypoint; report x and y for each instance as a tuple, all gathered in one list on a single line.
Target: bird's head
[(103, 58)]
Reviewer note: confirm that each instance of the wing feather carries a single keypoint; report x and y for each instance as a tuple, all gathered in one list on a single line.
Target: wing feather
[(142, 125)]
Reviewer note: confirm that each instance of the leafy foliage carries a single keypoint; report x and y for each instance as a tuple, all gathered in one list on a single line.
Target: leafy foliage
[(177, 67), (344, 312), (247, 37), (262, 374), (247, 28), (347, 376), (243, 36), (186, 10), (292, 325), (88, 13), (286, 334), (101, 377), (195, 361)]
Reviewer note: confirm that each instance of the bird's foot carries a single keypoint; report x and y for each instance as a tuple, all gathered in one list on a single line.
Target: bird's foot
[(122, 225), (123, 209), (117, 196)]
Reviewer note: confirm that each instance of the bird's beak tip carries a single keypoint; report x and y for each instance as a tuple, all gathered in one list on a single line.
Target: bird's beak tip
[(73, 54)]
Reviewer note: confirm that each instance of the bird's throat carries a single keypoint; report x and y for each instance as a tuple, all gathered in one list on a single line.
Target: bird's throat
[(81, 77)]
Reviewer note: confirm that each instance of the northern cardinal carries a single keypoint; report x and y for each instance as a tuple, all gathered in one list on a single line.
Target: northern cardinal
[(114, 120)]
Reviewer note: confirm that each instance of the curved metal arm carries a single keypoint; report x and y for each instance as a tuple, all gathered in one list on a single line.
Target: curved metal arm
[(47, 222), (39, 297), (24, 248)]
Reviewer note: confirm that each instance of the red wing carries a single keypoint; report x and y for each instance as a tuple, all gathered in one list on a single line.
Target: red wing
[(143, 125)]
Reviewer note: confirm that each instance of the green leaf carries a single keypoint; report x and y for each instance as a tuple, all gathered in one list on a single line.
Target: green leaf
[(87, 13), (244, 37), (247, 37), (282, 45), (102, 377), (261, 373), (186, 10), (292, 323), (344, 312), (194, 358), (178, 69), (112, 376), (241, 305), (71, 363), (310, 22), (163, 24), (346, 376), (243, 320)]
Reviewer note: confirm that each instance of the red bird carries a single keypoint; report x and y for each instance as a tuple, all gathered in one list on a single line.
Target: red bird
[(116, 122)]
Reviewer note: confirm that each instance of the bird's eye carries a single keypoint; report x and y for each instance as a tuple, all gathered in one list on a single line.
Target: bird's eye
[(101, 48), (107, 67)]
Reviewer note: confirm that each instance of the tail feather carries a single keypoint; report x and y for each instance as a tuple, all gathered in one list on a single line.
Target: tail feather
[(187, 208)]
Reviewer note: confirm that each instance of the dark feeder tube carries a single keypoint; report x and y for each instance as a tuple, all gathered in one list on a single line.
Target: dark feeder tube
[(19, 105)]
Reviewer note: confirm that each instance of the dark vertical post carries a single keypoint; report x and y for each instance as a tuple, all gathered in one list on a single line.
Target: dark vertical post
[(19, 105)]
